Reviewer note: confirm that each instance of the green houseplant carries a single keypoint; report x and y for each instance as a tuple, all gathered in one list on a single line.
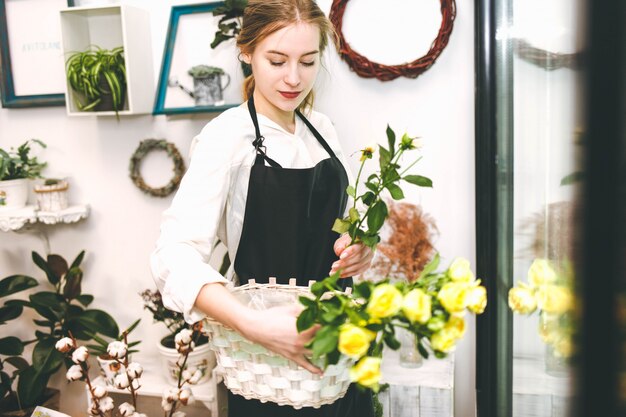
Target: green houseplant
[(229, 25), (16, 168), (97, 78), (62, 310)]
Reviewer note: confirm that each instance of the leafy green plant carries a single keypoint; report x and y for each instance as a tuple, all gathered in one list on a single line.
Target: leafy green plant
[(63, 311), (201, 71), (366, 227), (18, 164), (229, 24), (99, 348), (95, 74)]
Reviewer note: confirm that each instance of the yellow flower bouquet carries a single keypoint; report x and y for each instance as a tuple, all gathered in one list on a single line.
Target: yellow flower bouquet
[(358, 325)]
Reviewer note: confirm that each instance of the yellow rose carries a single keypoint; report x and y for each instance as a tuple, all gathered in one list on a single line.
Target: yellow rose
[(354, 341), (521, 300), (554, 299), (456, 325), (385, 301), (460, 271), (366, 372), (444, 340), (540, 273), (453, 296), (417, 306), (477, 299)]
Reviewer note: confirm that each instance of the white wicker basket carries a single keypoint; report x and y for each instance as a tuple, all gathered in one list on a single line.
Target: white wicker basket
[(254, 372)]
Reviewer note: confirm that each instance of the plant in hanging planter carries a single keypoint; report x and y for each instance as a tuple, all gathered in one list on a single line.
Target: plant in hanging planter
[(16, 168), (97, 78), (62, 310), (229, 25), (202, 358)]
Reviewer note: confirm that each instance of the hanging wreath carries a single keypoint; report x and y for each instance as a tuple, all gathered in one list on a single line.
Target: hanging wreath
[(368, 69), (147, 146)]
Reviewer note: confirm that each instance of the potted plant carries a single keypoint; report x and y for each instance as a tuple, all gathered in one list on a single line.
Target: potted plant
[(229, 25), (207, 85), (16, 168), (97, 78), (62, 311), (202, 358), (52, 194)]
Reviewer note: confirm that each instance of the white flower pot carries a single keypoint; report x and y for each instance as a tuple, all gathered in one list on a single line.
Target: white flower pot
[(201, 358), (13, 194), (52, 197)]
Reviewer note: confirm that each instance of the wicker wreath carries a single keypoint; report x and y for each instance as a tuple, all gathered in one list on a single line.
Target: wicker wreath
[(147, 146), (367, 69)]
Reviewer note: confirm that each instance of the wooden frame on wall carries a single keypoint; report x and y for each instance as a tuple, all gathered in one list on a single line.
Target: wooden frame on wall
[(190, 32), (37, 47)]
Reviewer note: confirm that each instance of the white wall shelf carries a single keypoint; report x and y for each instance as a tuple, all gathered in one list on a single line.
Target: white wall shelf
[(13, 220), (109, 27)]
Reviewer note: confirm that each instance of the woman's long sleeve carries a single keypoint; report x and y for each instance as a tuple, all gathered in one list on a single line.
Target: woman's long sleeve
[(180, 262)]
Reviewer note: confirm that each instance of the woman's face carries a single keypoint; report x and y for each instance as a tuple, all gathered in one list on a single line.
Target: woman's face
[(285, 65)]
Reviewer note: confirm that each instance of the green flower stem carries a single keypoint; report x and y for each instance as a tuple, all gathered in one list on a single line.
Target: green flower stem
[(410, 166), (356, 184)]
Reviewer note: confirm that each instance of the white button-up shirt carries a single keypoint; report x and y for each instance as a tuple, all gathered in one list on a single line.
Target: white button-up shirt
[(211, 200)]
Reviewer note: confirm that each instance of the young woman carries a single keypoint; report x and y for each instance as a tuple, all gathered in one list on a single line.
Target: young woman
[(267, 178)]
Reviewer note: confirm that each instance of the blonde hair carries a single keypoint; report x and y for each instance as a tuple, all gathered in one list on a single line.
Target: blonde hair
[(261, 18)]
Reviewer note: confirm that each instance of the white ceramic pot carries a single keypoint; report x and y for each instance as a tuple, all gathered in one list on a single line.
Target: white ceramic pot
[(201, 358), (52, 197), (13, 194)]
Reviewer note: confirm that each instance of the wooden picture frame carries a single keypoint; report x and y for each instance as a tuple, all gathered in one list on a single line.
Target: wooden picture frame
[(31, 47)]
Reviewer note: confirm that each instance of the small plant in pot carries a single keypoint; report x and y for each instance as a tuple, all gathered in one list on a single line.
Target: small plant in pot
[(201, 358), (52, 194), (97, 78), (61, 310), (16, 168)]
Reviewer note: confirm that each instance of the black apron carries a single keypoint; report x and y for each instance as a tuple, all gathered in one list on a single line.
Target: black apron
[(287, 233)]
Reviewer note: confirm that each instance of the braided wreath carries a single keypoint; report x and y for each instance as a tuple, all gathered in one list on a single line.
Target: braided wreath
[(367, 69), (147, 146)]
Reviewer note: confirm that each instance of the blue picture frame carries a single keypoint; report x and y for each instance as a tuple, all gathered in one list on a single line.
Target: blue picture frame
[(7, 87), (166, 64)]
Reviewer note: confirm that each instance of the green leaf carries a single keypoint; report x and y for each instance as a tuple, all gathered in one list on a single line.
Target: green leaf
[(573, 178), (354, 215), (362, 290), (58, 267), (17, 362), (391, 139), (341, 226), (76, 263), (306, 319), (377, 215), (422, 350), (351, 191), (31, 386), (385, 157), (372, 187), (43, 265), (85, 299), (370, 241), (16, 283), (306, 301), (47, 299), (318, 288), (11, 346), (73, 282), (45, 356), (418, 180), (100, 322), (368, 198), (431, 266), (395, 191), (325, 341), (391, 341), (10, 312)]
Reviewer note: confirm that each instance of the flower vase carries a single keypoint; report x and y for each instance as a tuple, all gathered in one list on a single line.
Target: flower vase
[(409, 355), (556, 365)]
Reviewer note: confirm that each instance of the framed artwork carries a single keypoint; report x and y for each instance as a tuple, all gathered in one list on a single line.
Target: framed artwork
[(194, 77), (32, 65)]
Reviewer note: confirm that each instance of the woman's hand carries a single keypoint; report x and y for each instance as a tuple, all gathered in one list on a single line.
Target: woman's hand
[(353, 260), (275, 329)]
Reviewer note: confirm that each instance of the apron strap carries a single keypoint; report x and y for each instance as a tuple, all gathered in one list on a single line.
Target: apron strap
[(317, 135), (258, 142)]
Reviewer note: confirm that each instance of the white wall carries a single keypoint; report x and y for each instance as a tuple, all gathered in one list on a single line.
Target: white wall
[(123, 226)]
